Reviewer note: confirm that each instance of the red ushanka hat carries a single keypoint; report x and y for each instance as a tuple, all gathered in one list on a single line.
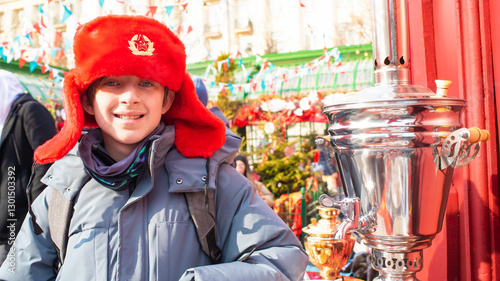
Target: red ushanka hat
[(134, 45)]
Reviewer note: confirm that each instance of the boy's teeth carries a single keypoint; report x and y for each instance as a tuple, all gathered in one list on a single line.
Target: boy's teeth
[(129, 117)]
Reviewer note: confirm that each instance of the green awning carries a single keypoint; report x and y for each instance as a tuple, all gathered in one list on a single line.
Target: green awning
[(39, 85)]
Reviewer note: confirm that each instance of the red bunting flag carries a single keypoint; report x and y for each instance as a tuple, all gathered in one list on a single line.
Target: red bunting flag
[(152, 10), (37, 28), (21, 62), (22, 52), (190, 28), (51, 74), (44, 69), (61, 54), (184, 6), (302, 5), (41, 22), (225, 67), (57, 38), (179, 29), (39, 59)]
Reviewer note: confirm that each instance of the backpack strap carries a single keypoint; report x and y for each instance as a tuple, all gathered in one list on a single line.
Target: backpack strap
[(204, 222), (59, 214)]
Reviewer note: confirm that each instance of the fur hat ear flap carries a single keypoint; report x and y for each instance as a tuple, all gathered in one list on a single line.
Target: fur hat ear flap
[(57, 147), (198, 132)]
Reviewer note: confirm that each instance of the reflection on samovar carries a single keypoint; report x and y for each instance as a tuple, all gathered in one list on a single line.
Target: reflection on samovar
[(328, 254), (396, 146)]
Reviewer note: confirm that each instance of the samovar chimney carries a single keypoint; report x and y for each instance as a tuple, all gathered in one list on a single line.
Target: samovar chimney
[(391, 42)]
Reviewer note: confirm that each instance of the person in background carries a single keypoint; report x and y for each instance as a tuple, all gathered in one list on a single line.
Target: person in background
[(132, 177), (243, 167), (24, 125), (201, 91)]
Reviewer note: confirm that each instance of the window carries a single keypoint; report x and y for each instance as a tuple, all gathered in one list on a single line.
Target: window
[(243, 18), (17, 17), (1, 22)]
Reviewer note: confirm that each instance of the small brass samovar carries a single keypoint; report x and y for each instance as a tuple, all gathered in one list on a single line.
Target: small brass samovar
[(325, 252)]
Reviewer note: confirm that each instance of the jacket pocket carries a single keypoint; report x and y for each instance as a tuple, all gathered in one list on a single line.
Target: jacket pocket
[(87, 256), (176, 249)]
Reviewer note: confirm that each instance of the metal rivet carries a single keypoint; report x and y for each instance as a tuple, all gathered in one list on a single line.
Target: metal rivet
[(50, 177), (179, 181), (204, 178), (68, 189)]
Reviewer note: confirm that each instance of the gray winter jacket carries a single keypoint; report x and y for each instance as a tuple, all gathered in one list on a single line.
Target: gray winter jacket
[(149, 235)]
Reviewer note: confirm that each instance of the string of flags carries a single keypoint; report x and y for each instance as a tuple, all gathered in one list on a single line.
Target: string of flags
[(270, 76), (56, 45)]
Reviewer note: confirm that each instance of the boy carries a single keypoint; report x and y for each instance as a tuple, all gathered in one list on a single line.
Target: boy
[(129, 180)]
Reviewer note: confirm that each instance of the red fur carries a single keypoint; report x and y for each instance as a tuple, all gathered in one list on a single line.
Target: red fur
[(101, 49)]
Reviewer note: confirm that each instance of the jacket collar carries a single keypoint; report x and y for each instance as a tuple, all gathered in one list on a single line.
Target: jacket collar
[(190, 174), (57, 175)]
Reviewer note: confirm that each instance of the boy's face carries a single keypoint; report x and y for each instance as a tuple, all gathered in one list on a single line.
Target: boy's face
[(127, 109)]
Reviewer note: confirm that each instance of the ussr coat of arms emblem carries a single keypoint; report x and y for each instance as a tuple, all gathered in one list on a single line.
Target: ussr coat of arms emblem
[(140, 45)]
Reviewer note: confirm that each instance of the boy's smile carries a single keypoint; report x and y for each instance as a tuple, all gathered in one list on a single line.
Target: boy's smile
[(127, 109)]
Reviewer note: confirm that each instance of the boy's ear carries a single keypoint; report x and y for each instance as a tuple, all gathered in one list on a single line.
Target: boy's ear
[(87, 106), (169, 99)]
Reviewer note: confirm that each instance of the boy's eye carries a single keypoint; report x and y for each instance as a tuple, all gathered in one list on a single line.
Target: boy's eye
[(110, 83), (146, 83)]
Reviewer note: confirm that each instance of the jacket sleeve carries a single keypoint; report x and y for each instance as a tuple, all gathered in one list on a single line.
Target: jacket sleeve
[(31, 256), (245, 223), (39, 126)]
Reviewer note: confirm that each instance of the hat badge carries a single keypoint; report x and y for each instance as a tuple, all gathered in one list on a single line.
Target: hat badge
[(140, 45)]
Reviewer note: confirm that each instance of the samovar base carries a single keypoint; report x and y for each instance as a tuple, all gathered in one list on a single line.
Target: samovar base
[(397, 266)]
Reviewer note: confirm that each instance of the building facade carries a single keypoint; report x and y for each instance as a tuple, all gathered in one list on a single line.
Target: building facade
[(34, 28)]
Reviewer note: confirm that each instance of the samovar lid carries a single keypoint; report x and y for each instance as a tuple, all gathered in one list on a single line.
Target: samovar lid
[(389, 95), (326, 226)]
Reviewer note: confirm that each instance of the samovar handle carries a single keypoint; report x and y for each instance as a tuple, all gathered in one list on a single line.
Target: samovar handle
[(456, 148)]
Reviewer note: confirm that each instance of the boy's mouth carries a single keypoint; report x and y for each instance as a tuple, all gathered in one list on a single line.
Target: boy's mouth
[(128, 117)]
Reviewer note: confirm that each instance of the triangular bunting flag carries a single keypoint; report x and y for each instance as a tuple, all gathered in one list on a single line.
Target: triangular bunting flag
[(66, 14), (21, 62), (57, 38), (152, 10), (61, 54), (101, 2), (33, 66), (53, 52), (44, 69), (184, 6), (42, 23), (190, 28), (169, 9), (37, 28)]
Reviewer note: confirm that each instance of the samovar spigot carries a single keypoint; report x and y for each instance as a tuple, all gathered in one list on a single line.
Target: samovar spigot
[(351, 208)]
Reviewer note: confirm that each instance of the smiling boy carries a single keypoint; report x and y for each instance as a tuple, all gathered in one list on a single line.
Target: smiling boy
[(129, 178)]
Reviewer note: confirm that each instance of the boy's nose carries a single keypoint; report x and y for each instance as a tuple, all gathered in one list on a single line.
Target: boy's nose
[(129, 96)]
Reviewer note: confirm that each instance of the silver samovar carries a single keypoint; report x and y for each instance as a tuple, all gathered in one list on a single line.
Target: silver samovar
[(396, 146)]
